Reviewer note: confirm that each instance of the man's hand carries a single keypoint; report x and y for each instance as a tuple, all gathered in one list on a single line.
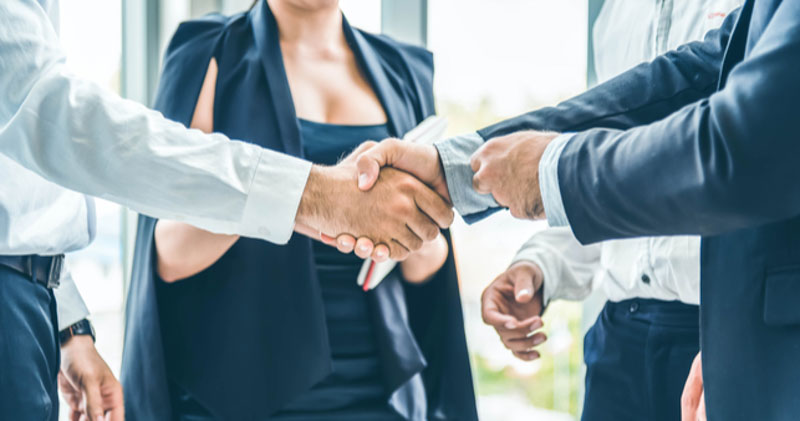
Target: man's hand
[(693, 400), (87, 384), (508, 168), (420, 160), (512, 304), (400, 211)]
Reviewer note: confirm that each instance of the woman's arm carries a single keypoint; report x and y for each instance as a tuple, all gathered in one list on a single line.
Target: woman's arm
[(184, 250), (420, 266)]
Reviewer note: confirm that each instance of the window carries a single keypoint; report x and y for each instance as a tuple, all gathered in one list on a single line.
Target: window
[(495, 60), (98, 269)]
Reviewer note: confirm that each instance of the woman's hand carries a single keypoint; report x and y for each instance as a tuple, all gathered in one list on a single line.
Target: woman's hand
[(422, 264)]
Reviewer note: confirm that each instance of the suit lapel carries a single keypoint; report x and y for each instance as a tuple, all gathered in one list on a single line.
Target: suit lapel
[(265, 31)]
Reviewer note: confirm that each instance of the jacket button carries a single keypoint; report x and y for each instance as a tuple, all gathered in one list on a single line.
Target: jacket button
[(645, 279), (634, 307)]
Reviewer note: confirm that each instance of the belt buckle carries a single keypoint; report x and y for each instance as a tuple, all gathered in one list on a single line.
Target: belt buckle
[(54, 273)]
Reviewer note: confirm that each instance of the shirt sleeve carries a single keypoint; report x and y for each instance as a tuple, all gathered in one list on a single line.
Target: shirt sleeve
[(548, 182), (84, 138), (69, 303), (568, 267), (455, 155)]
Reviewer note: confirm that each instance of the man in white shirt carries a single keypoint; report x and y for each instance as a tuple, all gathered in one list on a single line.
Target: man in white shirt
[(58, 132), (639, 351)]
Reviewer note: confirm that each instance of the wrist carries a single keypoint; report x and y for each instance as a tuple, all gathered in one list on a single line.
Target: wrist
[(81, 329), (77, 342), (308, 210)]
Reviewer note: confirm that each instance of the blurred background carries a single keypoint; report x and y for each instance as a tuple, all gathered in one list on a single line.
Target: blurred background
[(494, 59)]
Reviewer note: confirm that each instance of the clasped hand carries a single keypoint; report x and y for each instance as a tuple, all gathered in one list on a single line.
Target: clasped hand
[(400, 212), (505, 167)]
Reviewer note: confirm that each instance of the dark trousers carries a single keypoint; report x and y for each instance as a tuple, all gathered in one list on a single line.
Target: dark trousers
[(637, 356), (29, 351)]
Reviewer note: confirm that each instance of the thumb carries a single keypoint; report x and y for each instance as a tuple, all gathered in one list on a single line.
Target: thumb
[(523, 285), (94, 401), (370, 162)]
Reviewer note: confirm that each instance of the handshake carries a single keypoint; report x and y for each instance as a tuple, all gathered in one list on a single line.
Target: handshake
[(386, 199)]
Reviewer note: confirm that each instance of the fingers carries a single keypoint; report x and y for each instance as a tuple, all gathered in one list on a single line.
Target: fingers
[(398, 251), (93, 399), (527, 356), (423, 227), (381, 253), (408, 239), (363, 147), (364, 247), (480, 178), (327, 240), (523, 285), (435, 207), (345, 243), (701, 409), (692, 391), (115, 404), (521, 330), (370, 162), (526, 344)]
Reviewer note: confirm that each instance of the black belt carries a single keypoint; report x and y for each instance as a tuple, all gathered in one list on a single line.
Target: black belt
[(44, 270)]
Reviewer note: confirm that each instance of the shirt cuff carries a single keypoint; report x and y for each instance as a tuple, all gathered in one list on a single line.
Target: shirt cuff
[(69, 303), (275, 193), (455, 154), (548, 182)]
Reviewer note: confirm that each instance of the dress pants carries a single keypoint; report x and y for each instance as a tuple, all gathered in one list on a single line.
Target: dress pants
[(638, 355), (29, 351)]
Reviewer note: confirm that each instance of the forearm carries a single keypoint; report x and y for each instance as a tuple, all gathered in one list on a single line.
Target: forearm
[(184, 250), (420, 266), (77, 135)]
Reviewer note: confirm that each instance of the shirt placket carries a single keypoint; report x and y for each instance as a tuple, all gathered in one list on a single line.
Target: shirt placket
[(663, 25)]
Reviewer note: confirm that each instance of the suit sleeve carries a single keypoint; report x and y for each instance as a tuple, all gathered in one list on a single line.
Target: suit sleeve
[(720, 164), (642, 95)]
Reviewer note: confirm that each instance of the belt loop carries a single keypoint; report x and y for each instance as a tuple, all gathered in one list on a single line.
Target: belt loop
[(30, 265), (54, 274)]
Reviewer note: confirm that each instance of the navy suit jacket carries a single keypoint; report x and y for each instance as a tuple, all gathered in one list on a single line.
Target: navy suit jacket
[(248, 334), (704, 140)]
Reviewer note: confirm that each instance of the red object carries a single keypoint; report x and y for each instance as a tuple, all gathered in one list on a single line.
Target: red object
[(369, 276)]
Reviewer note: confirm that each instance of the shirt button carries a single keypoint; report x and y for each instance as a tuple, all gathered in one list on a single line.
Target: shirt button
[(645, 279), (634, 307)]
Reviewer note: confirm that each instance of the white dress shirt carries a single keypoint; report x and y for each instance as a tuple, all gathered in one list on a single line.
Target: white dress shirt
[(55, 126), (626, 33)]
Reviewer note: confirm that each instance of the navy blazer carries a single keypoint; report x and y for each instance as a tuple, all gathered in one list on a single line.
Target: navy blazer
[(248, 334), (704, 140)]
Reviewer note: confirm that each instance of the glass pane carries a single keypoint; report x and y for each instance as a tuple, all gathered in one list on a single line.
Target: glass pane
[(495, 60), (91, 36)]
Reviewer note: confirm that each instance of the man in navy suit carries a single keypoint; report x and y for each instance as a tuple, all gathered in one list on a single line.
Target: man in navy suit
[(702, 140)]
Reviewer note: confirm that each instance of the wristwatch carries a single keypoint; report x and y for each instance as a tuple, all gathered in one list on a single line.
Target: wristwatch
[(83, 327)]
